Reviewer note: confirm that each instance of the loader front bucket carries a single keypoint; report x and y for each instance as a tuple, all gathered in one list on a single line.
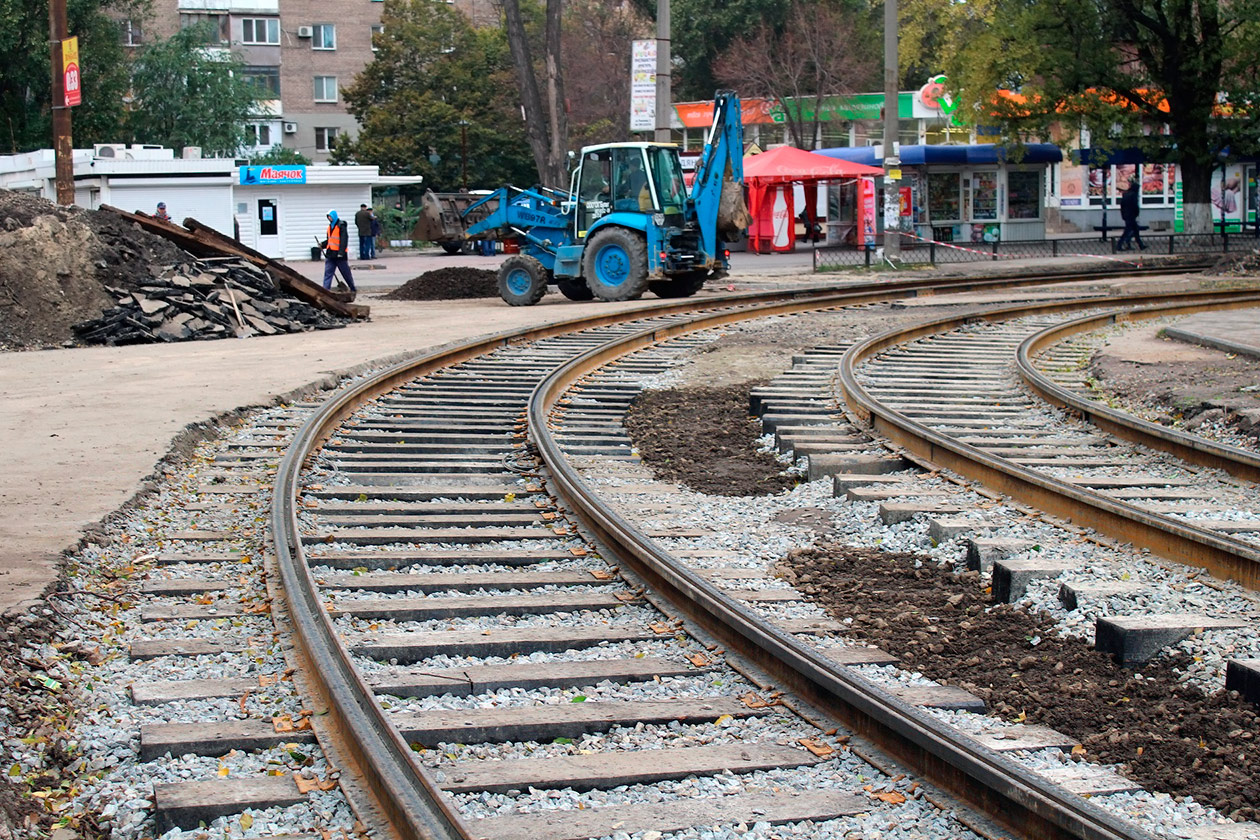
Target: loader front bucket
[(440, 219)]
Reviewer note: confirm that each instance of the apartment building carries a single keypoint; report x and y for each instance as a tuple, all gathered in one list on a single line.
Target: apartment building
[(302, 52)]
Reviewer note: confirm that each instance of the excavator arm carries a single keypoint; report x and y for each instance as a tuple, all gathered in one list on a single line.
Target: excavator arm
[(718, 190)]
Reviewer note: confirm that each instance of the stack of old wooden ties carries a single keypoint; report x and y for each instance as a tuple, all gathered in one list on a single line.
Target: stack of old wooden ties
[(225, 290)]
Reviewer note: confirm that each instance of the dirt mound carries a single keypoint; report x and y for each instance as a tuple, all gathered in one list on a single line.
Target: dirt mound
[(56, 261), (1237, 265), (704, 438), (448, 284)]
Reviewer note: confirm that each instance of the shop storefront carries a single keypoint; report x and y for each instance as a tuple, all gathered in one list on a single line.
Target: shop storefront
[(971, 193)]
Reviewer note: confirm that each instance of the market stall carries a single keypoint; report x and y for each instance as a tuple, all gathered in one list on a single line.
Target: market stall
[(771, 177)]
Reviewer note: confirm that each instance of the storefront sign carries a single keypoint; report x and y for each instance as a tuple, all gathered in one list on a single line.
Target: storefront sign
[(272, 175), (72, 81), (932, 101), (643, 85)]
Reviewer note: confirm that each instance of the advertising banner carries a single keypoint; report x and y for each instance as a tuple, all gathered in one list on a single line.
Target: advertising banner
[(72, 83), (866, 211), (643, 86)]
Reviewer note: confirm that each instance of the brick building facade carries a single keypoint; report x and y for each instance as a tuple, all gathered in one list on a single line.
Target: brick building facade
[(303, 51)]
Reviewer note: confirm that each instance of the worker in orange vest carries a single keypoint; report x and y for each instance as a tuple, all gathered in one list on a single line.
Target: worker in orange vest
[(336, 258)]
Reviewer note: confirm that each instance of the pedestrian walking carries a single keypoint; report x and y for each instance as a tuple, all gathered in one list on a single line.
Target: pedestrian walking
[(161, 214), (1129, 210), (336, 243), (363, 224)]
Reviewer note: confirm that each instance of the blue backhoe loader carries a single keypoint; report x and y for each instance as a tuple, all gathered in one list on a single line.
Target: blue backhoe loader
[(626, 225)]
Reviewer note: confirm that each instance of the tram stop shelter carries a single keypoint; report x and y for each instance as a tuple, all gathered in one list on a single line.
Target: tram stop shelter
[(772, 177)]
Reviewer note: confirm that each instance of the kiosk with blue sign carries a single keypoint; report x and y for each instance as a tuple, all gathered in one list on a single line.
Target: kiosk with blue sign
[(969, 193)]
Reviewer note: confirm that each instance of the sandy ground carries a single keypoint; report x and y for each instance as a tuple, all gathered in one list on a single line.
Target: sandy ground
[(84, 428)]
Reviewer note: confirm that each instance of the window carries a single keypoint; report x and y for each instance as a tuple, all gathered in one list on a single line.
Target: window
[(131, 34), (324, 37), (265, 79), (258, 134), (943, 197), (377, 29), (325, 88), (216, 26), (1023, 195), (260, 31), (325, 139), (984, 196)]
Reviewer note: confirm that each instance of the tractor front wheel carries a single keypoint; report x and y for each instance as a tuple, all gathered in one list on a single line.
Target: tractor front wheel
[(615, 264), (522, 280)]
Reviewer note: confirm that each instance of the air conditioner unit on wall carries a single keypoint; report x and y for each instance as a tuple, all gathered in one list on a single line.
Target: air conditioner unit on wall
[(304, 32), (109, 150), (290, 128)]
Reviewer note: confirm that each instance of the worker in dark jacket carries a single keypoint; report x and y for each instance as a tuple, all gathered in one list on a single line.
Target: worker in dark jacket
[(363, 224), (1129, 210), (335, 244)]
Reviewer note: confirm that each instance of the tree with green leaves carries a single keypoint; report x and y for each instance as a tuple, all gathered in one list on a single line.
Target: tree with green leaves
[(438, 86), (187, 92), (1122, 69), (26, 86)]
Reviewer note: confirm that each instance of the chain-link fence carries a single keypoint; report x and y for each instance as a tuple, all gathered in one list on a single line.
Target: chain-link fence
[(915, 250)]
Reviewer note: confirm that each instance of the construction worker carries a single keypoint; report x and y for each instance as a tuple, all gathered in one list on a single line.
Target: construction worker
[(161, 214), (335, 245)]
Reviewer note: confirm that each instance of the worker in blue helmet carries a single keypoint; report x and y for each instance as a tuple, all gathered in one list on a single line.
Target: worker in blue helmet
[(336, 257)]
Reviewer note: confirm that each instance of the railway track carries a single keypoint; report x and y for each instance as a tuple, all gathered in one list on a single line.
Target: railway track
[(438, 555)]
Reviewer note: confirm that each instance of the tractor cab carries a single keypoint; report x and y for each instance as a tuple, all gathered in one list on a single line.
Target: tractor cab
[(628, 178)]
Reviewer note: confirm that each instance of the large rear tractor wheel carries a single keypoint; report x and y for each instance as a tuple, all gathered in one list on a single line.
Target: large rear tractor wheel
[(575, 289), (522, 280), (615, 264), (684, 285)]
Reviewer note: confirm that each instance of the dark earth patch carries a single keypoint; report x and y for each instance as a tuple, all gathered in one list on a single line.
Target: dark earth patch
[(1169, 736), (448, 284), (940, 624), (704, 438), (1186, 393)]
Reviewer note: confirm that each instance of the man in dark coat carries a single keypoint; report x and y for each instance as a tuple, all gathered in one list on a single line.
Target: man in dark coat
[(1129, 210), (363, 224)]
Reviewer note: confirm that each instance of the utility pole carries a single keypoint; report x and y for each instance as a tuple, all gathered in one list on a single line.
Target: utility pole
[(892, 163), (663, 102), (59, 30)]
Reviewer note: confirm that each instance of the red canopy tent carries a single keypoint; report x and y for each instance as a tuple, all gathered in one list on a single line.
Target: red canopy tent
[(769, 177)]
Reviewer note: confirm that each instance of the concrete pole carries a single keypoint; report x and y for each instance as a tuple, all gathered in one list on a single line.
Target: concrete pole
[(664, 104), (892, 195), (63, 148)]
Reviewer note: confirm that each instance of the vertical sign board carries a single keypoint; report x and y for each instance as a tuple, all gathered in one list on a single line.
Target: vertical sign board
[(72, 83), (643, 86)]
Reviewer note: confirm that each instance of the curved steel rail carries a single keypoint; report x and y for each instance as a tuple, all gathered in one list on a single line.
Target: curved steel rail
[(1191, 448), (1180, 541), (412, 807), (1029, 805)]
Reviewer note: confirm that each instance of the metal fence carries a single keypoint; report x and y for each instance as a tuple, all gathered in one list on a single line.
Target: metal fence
[(917, 251)]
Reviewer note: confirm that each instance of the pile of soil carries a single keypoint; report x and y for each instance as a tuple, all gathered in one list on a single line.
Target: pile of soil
[(1237, 265), (1168, 736), (449, 284), (55, 263), (703, 438)]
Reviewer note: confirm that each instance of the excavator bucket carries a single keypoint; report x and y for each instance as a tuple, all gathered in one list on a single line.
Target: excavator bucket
[(442, 216), (732, 216)]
